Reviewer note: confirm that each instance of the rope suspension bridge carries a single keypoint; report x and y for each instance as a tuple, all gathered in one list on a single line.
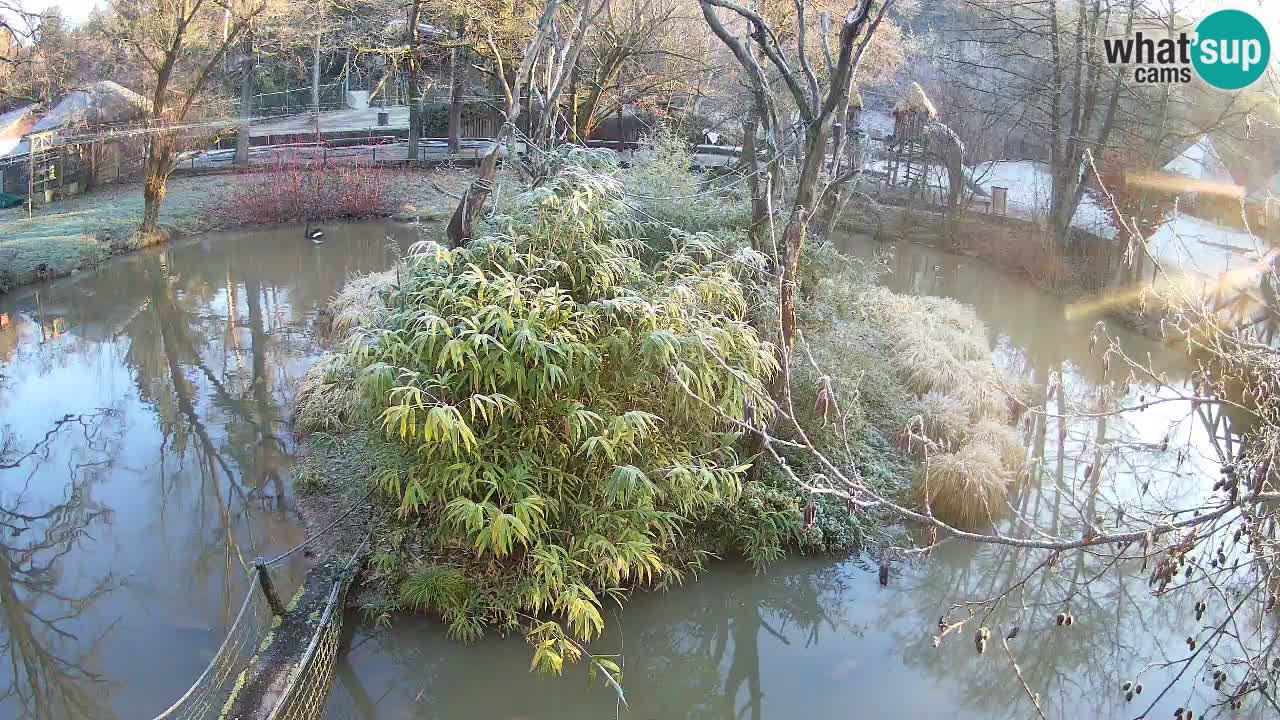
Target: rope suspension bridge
[(276, 662)]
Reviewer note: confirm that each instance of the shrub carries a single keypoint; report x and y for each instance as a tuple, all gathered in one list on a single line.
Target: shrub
[(326, 399), (300, 193), (1023, 252), (666, 194), (538, 379), (960, 427), (967, 488)]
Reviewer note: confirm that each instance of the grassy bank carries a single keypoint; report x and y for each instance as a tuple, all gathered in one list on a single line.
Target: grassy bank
[(80, 232), (1019, 247)]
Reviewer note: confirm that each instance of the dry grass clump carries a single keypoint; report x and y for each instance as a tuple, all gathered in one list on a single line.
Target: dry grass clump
[(327, 397), (971, 454), (359, 304), (928, 364), (1006, 441), (949, 312), (984, 392), (967, 488), (942, 418)]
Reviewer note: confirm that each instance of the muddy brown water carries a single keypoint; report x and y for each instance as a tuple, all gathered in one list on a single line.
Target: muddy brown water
[(122, 538)]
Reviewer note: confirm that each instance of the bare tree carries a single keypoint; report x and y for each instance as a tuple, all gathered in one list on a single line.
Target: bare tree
[(457, 80), (413, 32), (639, 50), (182, 44), (817, 104), (17, 26), (1041, 63), (561, 48)]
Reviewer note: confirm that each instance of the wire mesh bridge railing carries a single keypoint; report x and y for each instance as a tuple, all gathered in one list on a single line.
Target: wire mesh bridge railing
[(209, 693), (275, 663)]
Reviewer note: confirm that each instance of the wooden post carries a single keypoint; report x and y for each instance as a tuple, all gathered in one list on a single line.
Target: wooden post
[(31, 179), (1000, 201), (315, 83), (268, 588)]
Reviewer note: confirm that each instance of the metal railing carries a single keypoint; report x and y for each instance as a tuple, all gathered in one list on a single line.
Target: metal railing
[(310, 676)]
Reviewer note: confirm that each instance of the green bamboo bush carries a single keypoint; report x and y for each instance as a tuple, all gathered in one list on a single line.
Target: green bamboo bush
[(562, 404), (557, 392)]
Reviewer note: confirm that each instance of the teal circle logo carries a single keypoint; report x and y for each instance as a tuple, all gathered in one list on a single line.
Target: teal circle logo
[(1232, 49)]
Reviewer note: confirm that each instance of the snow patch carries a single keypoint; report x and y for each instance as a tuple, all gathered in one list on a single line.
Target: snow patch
[(1198, 246), (1030, 186), (876, 123)]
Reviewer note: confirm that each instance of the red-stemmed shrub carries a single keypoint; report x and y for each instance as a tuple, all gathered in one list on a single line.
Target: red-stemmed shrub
[(300, 193)]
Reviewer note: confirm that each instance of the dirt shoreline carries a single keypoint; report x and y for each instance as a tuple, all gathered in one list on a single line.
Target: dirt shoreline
[(83, 232)]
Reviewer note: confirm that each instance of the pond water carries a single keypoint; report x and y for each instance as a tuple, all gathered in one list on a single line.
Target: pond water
[(123, 536), (143, 411)]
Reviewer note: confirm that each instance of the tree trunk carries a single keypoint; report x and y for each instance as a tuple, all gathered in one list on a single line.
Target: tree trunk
[(246, 99), (94, 161), (415, 99), (315, 85), (759, 203), (578, 138), (153, 191), (158, 165), (833, 198), (588, 112), (462, 223), (793, 240), (455, 92)]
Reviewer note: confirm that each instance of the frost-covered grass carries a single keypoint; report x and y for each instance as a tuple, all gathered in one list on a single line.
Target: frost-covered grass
[(959, 431), (80, 232)]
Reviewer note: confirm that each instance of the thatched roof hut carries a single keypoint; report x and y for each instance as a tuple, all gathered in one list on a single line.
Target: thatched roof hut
[(915, 102)]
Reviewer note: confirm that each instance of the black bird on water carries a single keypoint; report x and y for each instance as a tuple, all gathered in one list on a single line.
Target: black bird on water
[(313, 234)]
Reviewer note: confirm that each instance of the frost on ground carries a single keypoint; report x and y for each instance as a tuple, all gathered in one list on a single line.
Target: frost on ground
[(82, 231), (1029, 184), (1192, 245), (1030, 187)]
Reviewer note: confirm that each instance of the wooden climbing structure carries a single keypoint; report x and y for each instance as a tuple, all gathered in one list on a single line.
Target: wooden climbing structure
[(908, 161)]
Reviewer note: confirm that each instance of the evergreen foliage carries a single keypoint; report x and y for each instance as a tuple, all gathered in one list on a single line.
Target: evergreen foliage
[(537, 379)]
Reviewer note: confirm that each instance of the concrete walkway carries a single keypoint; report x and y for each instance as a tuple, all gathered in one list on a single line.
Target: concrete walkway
[(334, 121)]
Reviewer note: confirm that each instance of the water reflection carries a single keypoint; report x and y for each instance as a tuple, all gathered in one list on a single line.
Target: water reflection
[(49, 678), (822, 639), (798, 642), (125, 536)]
